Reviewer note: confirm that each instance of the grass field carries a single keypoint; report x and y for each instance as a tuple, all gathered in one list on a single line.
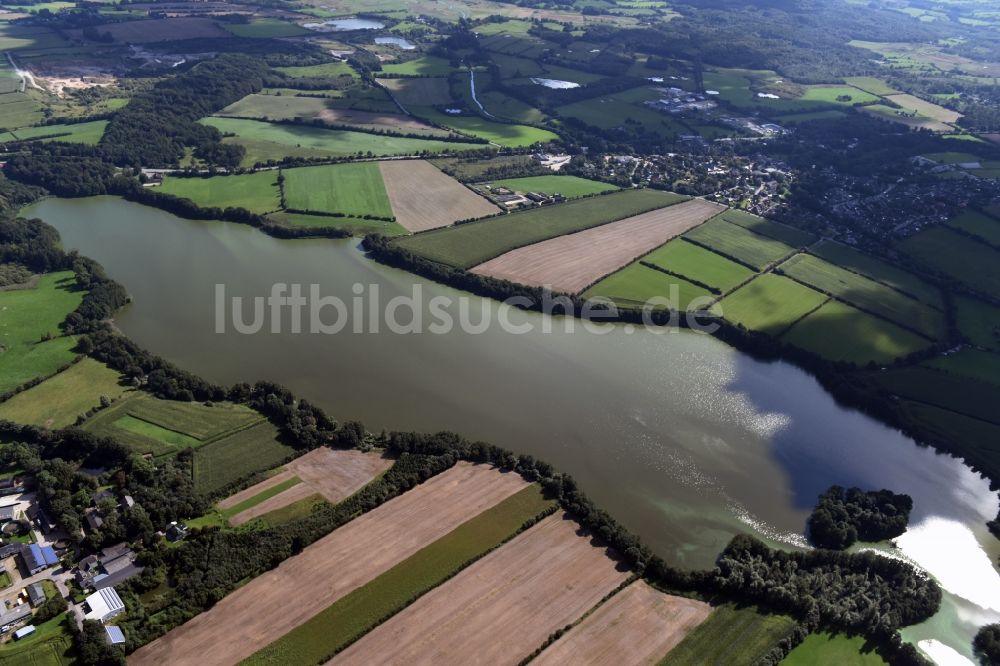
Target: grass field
[(978, 224), (568, 186), (89, 132), (945, 390), (871, 84), (730, 636), (328, 70), (972, 363), (779, 232), (974, 264), (609, 111), (419, 92), (878, 270), (160, 427), (352, 189), (866, 294), (827, 650), (841, 333), (260, 497), (257, 192), (809, 116), (268, 141), (266, 28), (50, 645), (508, 108), (980, 441), (698, 264), (25, 316), (979, 321), (423, 66), (635, 285), (503, 134), (59, 400), (227, 460), (738, 243), (359, 611), (357, 226), (770, 304), (467, 245)]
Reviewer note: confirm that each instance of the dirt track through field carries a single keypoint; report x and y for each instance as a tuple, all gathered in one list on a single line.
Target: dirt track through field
[(334, 474), (500, 609), (271, 605), (424, 198), (639, 626), (573, 262)]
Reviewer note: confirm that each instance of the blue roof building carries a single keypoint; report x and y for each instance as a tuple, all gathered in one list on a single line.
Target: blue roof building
[(114, 635)]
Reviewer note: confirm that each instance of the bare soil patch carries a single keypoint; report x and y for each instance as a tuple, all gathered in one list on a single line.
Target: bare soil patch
[(500, 609), (639, 625), (424, 198), (573, 262), (276, 602)]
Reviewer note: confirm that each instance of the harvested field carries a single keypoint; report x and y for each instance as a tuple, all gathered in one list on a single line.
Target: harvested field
[(639, 625), (501, 608), (424, 198), (925, 108), (334, 474), (573, 262), (349, 557)]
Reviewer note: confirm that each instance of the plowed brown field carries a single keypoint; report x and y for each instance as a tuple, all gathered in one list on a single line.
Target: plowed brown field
[(424, 198)]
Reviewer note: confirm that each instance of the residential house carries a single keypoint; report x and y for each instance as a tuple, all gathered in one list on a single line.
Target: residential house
[(36, 594)]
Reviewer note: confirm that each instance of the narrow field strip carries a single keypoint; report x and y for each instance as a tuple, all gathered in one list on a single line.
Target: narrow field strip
[(573, 262), (639, 625), (271, 605), (501, 608), (262, 497), (424, 198), (353, 615)]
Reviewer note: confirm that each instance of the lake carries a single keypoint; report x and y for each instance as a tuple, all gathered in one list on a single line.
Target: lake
[(341, 25), (683, 439), (398, 42)]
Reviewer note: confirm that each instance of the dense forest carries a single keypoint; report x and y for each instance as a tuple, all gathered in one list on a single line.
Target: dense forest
[(844, 516), (987, 645)]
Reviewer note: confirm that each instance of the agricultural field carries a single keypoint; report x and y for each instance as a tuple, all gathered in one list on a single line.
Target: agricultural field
[(925, 108), (978, 224), (224, 461), (27, 316), (832, 650), (424, 198), (907, 117), (975, 364), (471, 244), (866, 294), (18, 110), (974, 264), (479, 614), (329, 111), (607, 112), (88, 132), (508, 108), (636, 285), (270, 141), (257, 192), (332, 567), (570, 187), (699, 265), (357, 612), (50, 645), (160, 30), (979, 321), (779, 232), (878, 270), (740, 244), (332, 474), (354, 189), (981, 440), (266, 28), (575, 261), (328, 70), (948, 391), (638, 625), (770, 304), (839, 332), (418, 92), (162, 427), (731, 636), (429, 66), (59, 400), (477, 169), (501, 134), (871, 84), (357, 226)]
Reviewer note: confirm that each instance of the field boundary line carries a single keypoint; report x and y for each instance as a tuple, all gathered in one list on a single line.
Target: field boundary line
[(726, 255), (811, 253), (803, 316)]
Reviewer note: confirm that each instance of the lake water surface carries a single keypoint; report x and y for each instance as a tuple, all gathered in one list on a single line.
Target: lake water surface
[(683, 439)]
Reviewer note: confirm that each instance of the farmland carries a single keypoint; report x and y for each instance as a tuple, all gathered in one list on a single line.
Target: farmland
[(471, 244), (949, 391), (636, 626), (568, 186), (736, 242), (418, 92), (257, 192), (635, 285), (59, 400), (826, 650), (501, 134), (979, 321), (698, 264), (270, 141), (327, 70), (780, 232), (88, 132), (357, 612), (266, 28), (841, 333), (957, 257), (573, 262), (972, 363), (424, 198), (878, 270), (28, 315), (422, 66), (978, 224), (224, 461), (865, 294), (50, 645), (354, 190), (477, 615), (332, 567), (731, 636), (925, 108), (332, 474), (770, 304)]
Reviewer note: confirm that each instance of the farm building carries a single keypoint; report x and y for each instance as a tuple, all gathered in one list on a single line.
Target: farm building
[(24, 631), (103, 605), (176, 531), (36, 594), (11, 617), (113, 565), (114, 635), (7, 513), (9, 550), (38, 558)]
